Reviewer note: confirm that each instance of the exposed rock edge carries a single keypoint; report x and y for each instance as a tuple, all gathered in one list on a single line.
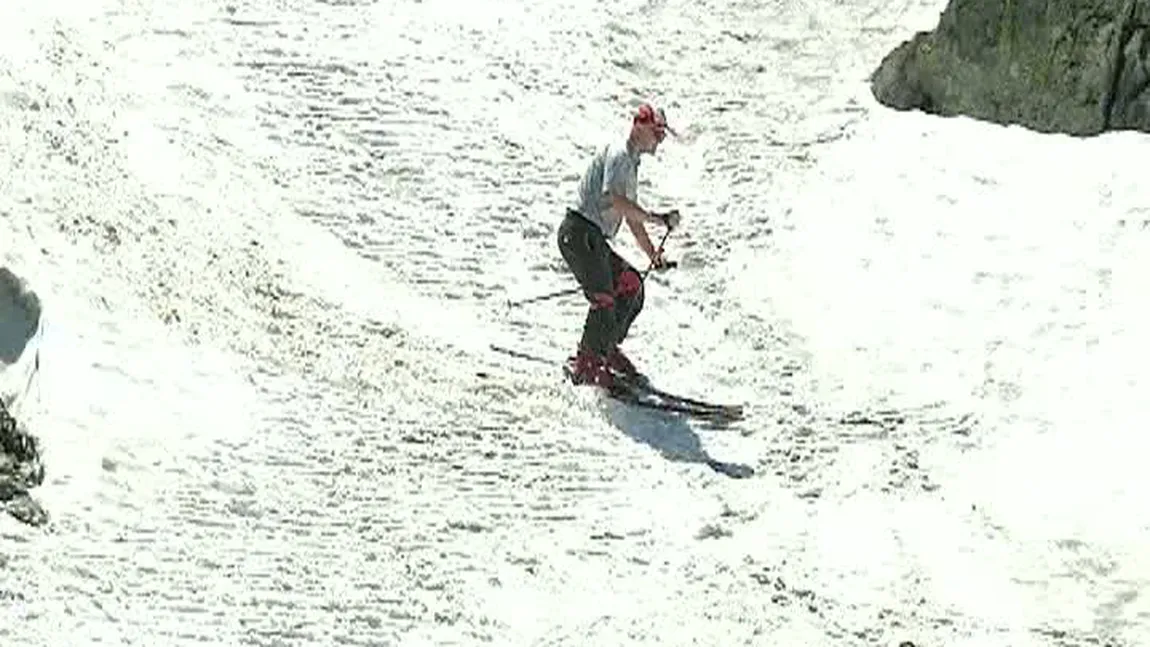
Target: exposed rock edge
[(1078, 67)]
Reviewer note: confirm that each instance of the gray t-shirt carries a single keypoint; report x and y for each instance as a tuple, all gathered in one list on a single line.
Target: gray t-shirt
[(613, 169)]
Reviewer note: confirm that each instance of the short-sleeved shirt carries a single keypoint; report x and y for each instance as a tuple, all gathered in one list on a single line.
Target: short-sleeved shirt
[(613, 169)]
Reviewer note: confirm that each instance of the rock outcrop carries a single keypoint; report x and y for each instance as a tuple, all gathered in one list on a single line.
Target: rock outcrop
[(20, 466), (1079, 67)]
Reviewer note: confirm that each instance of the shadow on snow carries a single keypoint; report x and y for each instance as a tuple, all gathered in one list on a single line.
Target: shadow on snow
[(671, 435)]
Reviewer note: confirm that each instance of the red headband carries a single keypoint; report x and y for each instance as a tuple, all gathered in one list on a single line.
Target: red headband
[(648, 115)]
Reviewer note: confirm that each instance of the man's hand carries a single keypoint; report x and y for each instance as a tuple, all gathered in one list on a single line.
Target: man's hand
[(670, 219)]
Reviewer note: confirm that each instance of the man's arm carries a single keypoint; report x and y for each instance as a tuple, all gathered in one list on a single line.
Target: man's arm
[(636, 218), (618, 183)]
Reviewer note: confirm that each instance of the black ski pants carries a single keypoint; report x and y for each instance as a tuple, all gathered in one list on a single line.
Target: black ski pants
[(613, 287)]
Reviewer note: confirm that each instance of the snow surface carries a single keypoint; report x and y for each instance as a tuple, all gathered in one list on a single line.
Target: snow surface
[(274, 243)]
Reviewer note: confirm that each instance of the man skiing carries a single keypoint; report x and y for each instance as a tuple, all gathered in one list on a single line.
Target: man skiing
[(607, 197)]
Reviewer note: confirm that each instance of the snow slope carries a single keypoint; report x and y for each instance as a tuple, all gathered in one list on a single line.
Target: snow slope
[(274, 244)]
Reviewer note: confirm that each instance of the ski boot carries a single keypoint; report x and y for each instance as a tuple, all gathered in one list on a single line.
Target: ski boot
[(587, 368), (622, 367)]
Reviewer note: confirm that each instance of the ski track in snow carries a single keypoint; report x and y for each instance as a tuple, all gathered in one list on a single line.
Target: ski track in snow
[(274, 244)]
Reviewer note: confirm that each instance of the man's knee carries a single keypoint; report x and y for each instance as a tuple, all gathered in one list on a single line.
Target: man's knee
[(628, 285)]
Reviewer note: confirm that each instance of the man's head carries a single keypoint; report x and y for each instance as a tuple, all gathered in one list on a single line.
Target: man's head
[(649, 128)]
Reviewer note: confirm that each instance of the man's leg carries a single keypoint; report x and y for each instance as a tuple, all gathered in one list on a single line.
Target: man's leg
[(628, 304), (628, 296), (587, 257)]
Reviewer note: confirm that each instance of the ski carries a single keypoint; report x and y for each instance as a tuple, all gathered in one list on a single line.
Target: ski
[(520, 354), (639, 397), (682, 401), (641, 393)]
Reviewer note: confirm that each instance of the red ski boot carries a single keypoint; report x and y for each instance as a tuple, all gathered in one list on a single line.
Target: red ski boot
[(587, 368)]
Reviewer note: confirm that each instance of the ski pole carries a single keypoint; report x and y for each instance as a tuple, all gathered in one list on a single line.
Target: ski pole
[(669, 264), (559, 293), (543, 297)]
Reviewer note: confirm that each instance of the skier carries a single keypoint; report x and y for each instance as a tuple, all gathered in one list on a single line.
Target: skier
[(606, 197)]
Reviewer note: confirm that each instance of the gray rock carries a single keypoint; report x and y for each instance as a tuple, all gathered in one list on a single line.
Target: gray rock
[(20, 470), (20, 465), (1078, 67), (19, 317)]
